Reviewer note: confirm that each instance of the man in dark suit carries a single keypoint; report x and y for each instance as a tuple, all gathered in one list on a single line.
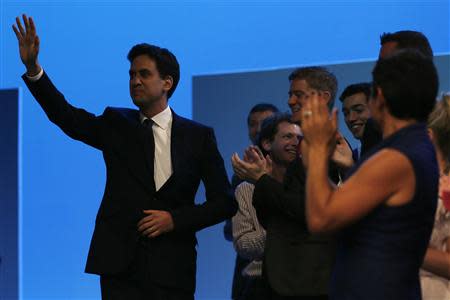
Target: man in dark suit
[(297, 264), (144, 241)]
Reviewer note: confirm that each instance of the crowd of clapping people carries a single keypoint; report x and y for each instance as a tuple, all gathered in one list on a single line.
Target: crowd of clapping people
[(378, 226)]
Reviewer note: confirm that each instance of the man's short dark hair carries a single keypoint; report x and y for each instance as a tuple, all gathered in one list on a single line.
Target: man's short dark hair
[(261, 107), (165, 61), (352, 89), (269, 128), (409, 83), (318, 78), (408, 39)]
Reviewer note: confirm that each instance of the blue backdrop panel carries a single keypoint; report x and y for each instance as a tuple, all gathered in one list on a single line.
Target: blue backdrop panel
[(9, 194)]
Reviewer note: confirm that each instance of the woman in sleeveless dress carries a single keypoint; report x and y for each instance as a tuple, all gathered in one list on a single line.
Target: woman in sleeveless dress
[(384, 211)]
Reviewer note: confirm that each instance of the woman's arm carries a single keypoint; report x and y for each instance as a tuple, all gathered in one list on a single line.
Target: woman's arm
[(438, 261)]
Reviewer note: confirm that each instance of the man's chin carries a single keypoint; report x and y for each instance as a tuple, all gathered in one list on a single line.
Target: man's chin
[(139, 102), (358, 134)]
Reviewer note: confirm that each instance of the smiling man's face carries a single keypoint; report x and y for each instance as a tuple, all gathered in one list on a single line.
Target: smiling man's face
[(356, 112)]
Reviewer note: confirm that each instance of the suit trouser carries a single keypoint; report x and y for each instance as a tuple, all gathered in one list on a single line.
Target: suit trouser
[(276, 296), (255, 289), (134, 283), (239, 282)]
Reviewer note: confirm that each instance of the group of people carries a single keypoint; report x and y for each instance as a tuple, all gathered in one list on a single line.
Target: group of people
[(353, 224), (310, 218)]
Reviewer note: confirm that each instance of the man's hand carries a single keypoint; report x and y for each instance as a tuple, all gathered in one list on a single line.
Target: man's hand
[(28, 44), (253, 166), (155, 223), (342, 154)]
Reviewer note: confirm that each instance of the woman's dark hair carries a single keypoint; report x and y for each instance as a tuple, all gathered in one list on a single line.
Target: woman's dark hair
[(409, 83)]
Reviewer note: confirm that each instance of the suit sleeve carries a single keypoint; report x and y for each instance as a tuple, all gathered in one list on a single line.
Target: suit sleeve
[(220, 203), (271, 197), (76, 123)]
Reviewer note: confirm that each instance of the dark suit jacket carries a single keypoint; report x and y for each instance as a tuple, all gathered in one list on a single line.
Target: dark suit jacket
[(130, 186), (296, 263)]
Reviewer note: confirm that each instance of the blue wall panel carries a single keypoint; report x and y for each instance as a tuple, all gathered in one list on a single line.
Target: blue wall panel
[(9, 194)]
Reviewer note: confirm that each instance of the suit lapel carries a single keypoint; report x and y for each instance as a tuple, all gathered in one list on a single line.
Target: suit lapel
[(136, 149), (149, 155)]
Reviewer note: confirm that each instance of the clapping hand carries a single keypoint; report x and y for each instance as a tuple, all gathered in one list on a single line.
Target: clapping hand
[(253, 166), (342, 154)]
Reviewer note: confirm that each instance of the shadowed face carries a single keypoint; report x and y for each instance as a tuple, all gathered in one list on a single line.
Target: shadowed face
[(254, 123), (299, 95), (146, 85), (299, 92)]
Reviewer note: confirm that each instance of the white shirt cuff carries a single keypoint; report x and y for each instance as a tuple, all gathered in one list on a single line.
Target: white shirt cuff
[(36, 77)]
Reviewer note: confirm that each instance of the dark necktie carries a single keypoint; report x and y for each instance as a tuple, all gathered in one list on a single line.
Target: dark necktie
[(148, 123)]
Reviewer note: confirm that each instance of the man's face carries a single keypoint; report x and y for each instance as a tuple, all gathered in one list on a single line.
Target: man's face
[(146, 85), (254, 123), (387, 49), (284, 147), (299, 94), (356, 112)]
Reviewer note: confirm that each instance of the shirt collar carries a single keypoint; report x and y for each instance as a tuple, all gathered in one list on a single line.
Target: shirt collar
[(163, 119)]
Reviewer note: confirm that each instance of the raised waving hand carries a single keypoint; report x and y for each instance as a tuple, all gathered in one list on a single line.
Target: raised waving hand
[(28, 44)]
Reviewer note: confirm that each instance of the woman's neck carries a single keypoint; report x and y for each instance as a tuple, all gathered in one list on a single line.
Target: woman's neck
[(392, 125)]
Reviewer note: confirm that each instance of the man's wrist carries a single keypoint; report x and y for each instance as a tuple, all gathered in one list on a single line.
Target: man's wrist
[(33, 70), (35, 77), (258, 177), (319, 149)]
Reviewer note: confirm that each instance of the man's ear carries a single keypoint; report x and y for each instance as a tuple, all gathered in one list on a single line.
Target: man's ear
[(168, 83), (377, 99), (326, 96), (381, 101)]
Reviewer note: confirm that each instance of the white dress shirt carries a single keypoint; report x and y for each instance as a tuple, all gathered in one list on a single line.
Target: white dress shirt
[(162, 129)]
